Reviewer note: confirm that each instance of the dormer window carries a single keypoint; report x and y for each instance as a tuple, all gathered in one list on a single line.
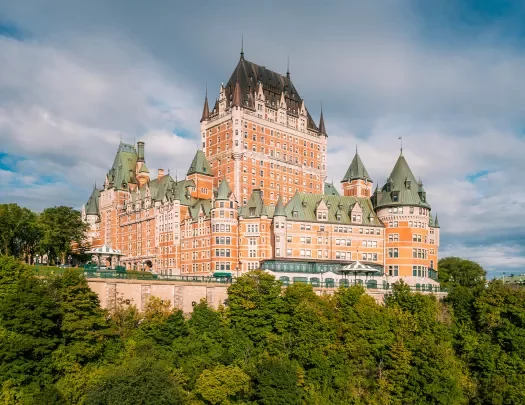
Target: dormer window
[(338, 217), (407, 184), (252, 211), (294, 214), (395, 196)]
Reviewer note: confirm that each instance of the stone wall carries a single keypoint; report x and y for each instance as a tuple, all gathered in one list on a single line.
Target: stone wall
[(182, 295)]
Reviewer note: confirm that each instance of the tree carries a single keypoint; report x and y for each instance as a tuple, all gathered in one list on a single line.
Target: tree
[(20, 232), (83, 325), (277, 383), (61, 226), (253, 301), (455, 271), (137, 381), (222, 383)]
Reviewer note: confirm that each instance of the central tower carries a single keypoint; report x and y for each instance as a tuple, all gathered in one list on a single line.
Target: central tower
[(260, 135)]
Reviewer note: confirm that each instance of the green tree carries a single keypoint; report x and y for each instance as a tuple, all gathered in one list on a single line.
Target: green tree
[(278, 383), (83, 325), (61, 226), (222, 384), (454, 271), (253, 300), (137, 381)]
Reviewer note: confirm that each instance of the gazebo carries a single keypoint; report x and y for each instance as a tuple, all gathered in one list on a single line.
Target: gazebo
[(356, 268), (106, 251)]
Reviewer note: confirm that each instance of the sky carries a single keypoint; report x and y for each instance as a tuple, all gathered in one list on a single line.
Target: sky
[(77, 77)]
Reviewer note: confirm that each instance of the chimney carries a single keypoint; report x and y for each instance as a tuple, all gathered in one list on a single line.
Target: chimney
[(160, 174), (140, 147)]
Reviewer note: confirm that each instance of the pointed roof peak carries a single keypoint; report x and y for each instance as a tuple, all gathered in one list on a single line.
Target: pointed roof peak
[(200, 164), (322, 128), (279, 208), (224, 191), (356, 170), (288, 68), (206, 108)]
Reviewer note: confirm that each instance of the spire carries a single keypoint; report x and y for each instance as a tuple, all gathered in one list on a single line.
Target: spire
[(401, 139), (279, 208), (322, 128), (288, 68), (206, 109), (436, 222), (242, 46), (224, 191), (356, 170)]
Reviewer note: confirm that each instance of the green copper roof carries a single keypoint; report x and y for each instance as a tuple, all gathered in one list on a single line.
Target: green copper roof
[(224, 191), (402, 188), (254, 206), (144, 168), (305, 204), (200, 165), (123, 170), (436, 222), (279, 208), (92, 204), (329, 189), (356, 170)]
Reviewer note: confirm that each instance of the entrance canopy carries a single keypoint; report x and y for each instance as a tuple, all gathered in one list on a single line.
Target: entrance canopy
[(358, 268), (105, 250)]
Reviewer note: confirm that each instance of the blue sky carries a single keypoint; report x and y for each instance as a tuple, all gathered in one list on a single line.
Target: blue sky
[(78, 76)]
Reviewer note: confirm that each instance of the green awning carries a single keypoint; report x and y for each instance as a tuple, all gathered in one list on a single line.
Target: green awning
[(222, 274)]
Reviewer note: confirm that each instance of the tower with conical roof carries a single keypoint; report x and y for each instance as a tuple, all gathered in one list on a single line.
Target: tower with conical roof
[(356, 181), (224, 230), (410, 238), (259, 128), (202, 176)]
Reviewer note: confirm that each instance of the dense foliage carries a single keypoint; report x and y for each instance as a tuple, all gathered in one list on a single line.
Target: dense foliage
[(24, 234), (267, 347)]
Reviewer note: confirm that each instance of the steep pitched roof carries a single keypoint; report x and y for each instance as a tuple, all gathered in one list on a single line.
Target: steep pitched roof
[(144, 169), (329, 189), (356, 170), (322, 128), (122, 172), (224, 191), (92, 204), (279, 208), (206, 109), (200, 165), (254, 206), (305, 204), (248, 75), (402, 183)]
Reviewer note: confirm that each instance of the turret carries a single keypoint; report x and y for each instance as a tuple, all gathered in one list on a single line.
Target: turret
[(356, 181), (206, 109), (322, 129), (202, 176)]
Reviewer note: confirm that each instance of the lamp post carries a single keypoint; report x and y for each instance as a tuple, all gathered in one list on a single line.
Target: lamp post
[(37, 257)]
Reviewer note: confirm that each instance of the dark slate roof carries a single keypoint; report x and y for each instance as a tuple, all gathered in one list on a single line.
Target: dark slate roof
[(206, 109), (92, 204), (306, 205), (224, 190), (402, 182), (356, 170), (122, 172), (322, 128), (200, 165), (248, 75), (329, 189)]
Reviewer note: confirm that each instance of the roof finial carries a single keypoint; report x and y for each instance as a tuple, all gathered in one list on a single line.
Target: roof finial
[(356, 148), (401, 138), (242, 46), (288, 68)]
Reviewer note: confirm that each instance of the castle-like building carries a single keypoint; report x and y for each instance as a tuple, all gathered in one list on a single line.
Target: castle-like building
[(255, 196)]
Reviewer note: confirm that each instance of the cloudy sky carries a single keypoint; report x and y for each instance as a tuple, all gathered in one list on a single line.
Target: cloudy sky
[(78, 76)]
